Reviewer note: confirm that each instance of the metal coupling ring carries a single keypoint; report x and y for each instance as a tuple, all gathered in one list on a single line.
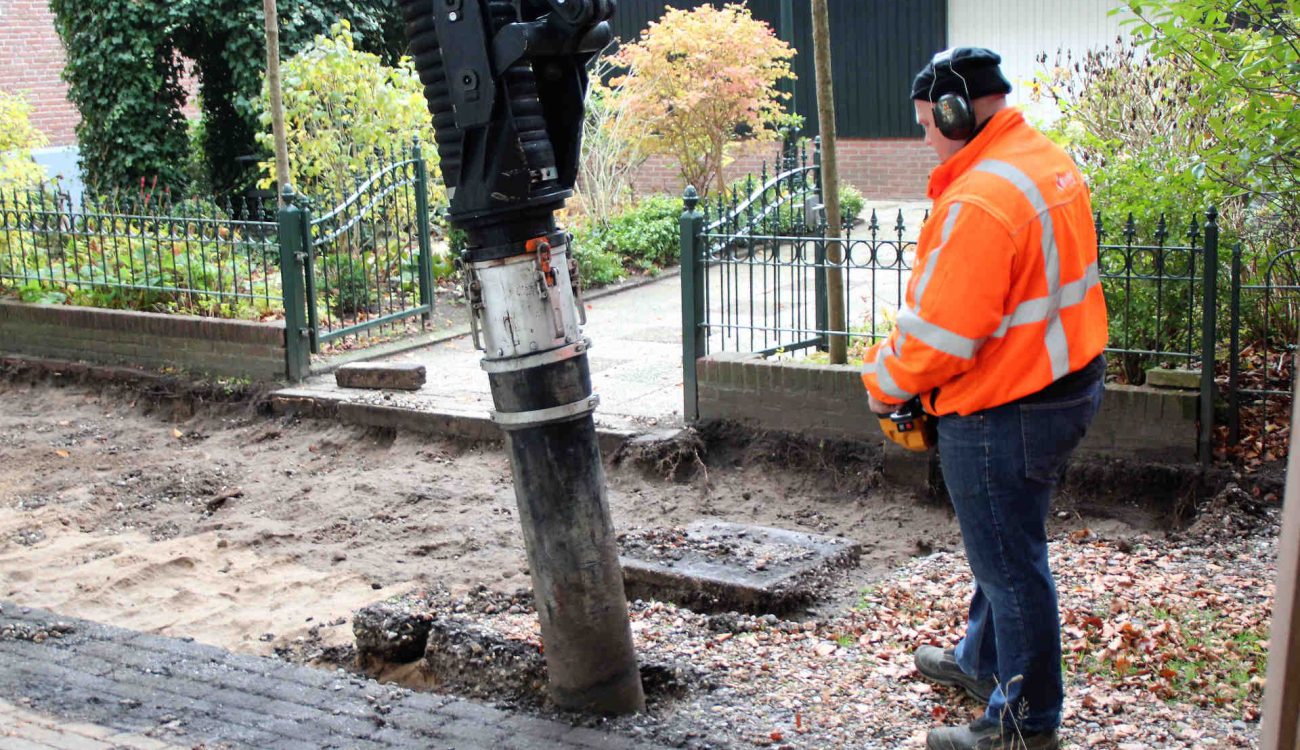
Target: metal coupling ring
[(514, 364), (519, 420)]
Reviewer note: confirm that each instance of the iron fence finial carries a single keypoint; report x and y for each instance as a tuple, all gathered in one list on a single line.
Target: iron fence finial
[(690, 198)]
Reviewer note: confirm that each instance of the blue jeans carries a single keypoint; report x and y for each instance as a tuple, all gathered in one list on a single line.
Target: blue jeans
[(1000, 466)]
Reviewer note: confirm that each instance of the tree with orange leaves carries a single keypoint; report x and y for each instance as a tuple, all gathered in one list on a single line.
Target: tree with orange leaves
[(703, 80)]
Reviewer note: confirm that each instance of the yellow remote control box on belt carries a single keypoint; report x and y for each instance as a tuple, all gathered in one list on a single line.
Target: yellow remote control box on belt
[(909, 426)]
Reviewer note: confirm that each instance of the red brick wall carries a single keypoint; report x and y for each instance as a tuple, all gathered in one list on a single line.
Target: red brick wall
[(31, 59), (887, 168), (883, 169), (31, 63)]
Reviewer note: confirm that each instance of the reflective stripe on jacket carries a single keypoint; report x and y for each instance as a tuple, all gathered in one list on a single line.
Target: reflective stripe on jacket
[(1004, 297)]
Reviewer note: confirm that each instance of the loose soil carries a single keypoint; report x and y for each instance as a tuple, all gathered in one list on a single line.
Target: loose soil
[(265, 535)]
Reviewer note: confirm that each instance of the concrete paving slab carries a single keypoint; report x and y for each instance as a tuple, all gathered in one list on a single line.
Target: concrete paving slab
[(397, 376), (715, 566)]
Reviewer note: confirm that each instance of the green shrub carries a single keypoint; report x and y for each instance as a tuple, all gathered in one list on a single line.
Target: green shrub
[(198, 181), (645, 237), (444, 266), (17, 139), (349, 285), (456, 239), (648, 235), (1147, 186), (1241, 59), (343, 107), (597, 266), (1119, 122), (851, 204)]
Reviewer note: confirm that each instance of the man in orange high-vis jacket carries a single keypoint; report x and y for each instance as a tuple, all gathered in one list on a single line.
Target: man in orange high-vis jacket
[(1001, 336)]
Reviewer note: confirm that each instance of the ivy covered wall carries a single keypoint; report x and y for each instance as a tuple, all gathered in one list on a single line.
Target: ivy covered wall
[(124, 65)]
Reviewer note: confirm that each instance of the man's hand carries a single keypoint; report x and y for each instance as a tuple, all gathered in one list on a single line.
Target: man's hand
[(879, 407)]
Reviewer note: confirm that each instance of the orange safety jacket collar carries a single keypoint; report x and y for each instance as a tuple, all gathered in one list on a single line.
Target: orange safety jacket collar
[(970, 155)]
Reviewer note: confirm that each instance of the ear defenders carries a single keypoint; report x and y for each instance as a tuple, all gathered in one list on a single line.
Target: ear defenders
[(953, 114)]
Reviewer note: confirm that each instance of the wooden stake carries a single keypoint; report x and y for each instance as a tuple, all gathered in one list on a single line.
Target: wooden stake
[(830, 174), (277, 104), (1280, 724)]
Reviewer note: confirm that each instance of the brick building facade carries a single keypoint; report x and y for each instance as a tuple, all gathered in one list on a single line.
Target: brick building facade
[(32, 59), (31, 63), (882, 168)]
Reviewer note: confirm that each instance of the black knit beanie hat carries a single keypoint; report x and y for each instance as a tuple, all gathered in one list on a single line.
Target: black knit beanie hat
[(972, 72)]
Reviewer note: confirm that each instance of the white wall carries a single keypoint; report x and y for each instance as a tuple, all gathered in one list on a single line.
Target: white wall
[(61, 163), (1020, 30)]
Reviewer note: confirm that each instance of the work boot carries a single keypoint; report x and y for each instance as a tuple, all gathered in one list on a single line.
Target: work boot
[(938, 665), (986, 734)]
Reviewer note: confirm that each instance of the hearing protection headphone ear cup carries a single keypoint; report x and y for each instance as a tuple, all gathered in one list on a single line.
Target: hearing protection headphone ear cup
[(954, 118)]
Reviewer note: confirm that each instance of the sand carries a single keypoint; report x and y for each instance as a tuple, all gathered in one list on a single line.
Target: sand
[(256, 533)]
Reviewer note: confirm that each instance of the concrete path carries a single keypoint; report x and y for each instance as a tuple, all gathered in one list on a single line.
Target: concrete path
[(76, 685), (636, 334), (636, 362)]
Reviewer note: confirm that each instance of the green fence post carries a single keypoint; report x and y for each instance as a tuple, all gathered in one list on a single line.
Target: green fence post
[(821, 298), (693, 343), (821, 303), (309, 273), (1209, 305), (293, 254), (422, 225)]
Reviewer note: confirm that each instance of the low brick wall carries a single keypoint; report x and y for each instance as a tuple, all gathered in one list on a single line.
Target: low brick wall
[(1135, 422), (222, 348)]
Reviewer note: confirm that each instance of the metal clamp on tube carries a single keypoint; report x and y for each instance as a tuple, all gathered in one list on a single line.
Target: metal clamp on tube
[(519, 420)]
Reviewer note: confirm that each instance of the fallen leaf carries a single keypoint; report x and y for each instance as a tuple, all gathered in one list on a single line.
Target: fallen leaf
[(61, 453)]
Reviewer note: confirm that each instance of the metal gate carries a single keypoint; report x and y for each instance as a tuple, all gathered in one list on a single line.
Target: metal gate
[(364, 268), (1263, 327)]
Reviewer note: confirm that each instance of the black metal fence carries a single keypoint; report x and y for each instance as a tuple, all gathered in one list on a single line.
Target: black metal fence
[(756, 284), (1263, 325), (141, 252), (361, 269)]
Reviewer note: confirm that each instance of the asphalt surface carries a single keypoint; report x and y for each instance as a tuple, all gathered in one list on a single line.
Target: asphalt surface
[(74, 685)]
